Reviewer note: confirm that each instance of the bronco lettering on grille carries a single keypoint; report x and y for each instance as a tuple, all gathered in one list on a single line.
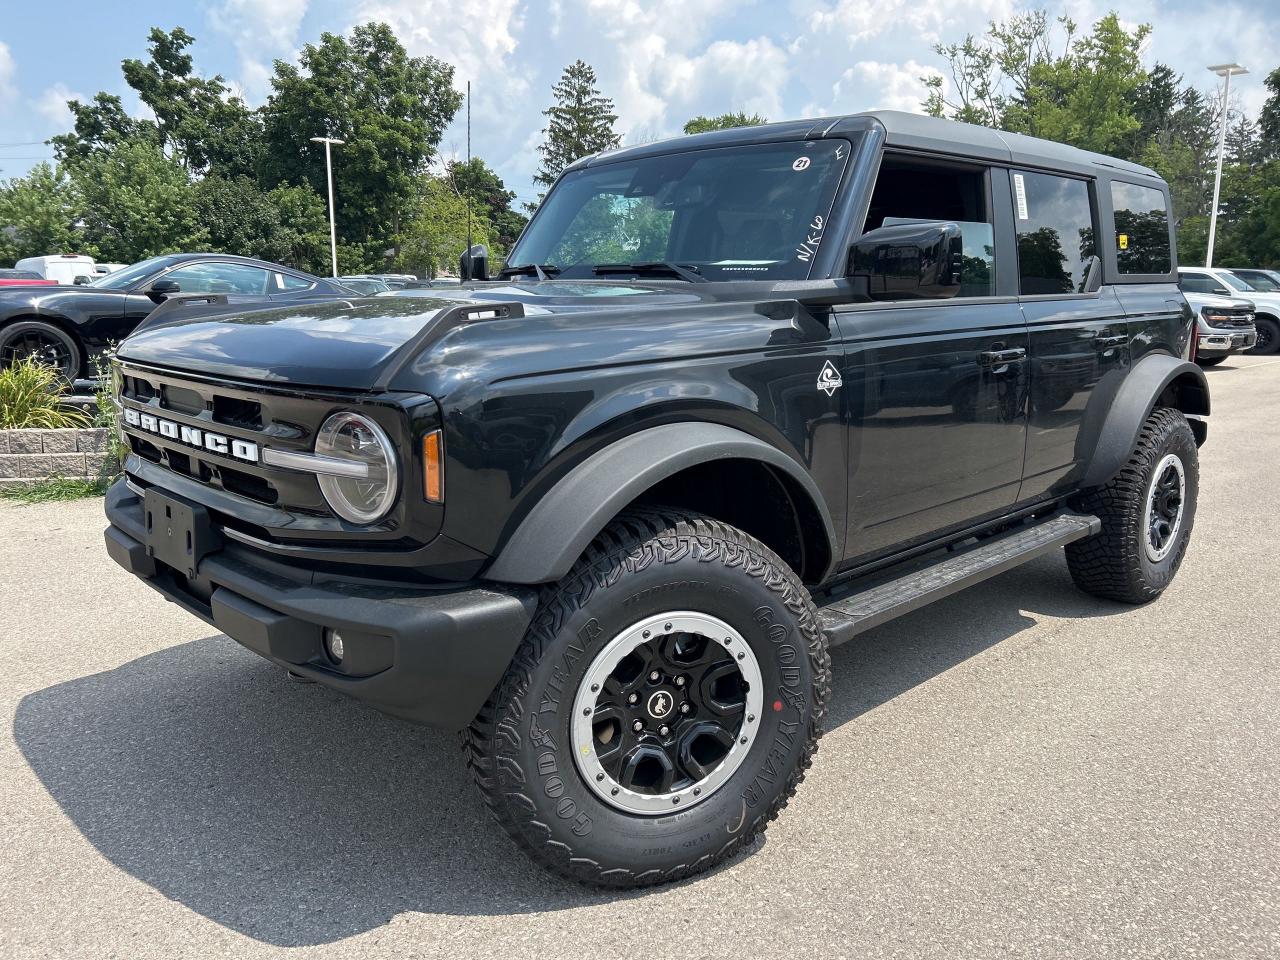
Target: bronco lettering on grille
[(192, 436)]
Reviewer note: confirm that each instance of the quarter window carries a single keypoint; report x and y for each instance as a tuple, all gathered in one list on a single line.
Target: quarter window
[(1142, 229), (1055, 233), (288, 282)]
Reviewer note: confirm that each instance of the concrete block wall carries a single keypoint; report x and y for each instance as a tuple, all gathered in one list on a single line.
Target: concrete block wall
[(27, 455)]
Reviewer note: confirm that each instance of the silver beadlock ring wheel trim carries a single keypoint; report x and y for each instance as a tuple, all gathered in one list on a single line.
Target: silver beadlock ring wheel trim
[(1156, 554), (584, 752)]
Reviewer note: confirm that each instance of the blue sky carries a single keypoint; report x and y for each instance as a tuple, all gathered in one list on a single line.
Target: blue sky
[(662, 61)]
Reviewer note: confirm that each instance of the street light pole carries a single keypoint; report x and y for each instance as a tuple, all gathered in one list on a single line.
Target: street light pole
[(328, 170), (1226, 71)]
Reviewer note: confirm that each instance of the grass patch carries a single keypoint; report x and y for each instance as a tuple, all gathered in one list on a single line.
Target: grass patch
[(56, 488)]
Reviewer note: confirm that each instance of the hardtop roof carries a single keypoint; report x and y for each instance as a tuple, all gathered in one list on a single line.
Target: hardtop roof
[(910, 131)]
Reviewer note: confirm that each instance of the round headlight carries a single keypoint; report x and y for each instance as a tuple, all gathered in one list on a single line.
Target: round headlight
[(349, 436)]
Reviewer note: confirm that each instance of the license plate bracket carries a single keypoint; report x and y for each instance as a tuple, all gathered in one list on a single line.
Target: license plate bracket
[(179, 533)]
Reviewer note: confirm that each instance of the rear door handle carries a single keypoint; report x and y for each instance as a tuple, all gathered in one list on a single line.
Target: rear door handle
[(996, 358), (1109, 342)]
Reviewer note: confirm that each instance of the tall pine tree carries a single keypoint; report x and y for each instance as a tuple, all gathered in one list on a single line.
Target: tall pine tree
[(580, 122)]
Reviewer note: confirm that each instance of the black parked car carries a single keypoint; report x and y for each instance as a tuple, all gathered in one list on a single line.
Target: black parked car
[(737, 398), (66, 325)]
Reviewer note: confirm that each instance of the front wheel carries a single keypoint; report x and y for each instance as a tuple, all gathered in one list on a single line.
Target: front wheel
[(1268, 335), (662, 708), (41, 342), (1147, 511), (1210, 361)]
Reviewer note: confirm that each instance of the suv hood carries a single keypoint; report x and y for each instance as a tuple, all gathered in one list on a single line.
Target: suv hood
[(347, 344), (1199, 300)]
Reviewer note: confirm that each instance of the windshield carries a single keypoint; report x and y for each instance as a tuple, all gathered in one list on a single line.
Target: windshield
[(128, 276), (1232, 281), (753, 212), (1260, 281)]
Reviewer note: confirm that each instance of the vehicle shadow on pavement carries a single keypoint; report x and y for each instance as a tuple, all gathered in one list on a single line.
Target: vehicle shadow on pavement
[(297, 817)]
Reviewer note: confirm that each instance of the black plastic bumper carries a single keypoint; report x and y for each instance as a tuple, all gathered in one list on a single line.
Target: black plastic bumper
[(428, 655)]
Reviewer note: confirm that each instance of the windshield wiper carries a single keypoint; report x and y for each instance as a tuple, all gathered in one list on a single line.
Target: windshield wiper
[(679, 270), (543, 271)]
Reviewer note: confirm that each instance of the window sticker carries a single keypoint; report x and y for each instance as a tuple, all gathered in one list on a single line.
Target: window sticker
[(1020, 196), (801, 163), (1124, 241)]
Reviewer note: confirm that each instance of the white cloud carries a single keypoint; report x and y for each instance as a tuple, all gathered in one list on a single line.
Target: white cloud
[(52, 105), (887, 86), (8, 90), (261, 30), (476, 46)]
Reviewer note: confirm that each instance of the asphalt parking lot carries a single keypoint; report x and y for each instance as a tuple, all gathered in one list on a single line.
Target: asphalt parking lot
[(1020, 770)]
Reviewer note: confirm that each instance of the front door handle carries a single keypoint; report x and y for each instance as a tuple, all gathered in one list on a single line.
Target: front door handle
[(1108, 342), (996, 358)]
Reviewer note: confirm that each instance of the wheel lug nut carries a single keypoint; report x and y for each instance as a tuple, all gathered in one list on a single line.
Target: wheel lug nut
[(663, 730), (633, 698), (685, 708), (655, 676), (638, 726), (681, 681)]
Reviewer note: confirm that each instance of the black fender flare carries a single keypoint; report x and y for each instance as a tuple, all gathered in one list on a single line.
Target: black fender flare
[(559, 528), (1118, 408)]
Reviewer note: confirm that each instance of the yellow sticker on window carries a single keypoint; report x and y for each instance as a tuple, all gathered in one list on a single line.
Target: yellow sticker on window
[(1124, 241)]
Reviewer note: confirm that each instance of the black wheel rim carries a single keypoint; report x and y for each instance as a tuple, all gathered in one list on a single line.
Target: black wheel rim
[(1263, 343), (41, 347), (666, 712), (1164, 510)]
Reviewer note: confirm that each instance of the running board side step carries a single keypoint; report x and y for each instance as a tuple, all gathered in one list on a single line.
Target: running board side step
[(849, 615)]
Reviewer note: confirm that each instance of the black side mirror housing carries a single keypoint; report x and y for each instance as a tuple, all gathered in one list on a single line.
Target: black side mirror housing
[(909, 261), (163, 288), (474, 263), (81, 281)]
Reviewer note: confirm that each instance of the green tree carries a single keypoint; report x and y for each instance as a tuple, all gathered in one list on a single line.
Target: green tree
[(490, 196), (725, 121), (137, 203), (1269, 118), (197, 121), (286, 225), (390, 108), (435, 233), (39, 214), (579, 122)]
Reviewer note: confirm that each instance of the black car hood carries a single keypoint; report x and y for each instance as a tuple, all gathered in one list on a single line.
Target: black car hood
[(347, 344)]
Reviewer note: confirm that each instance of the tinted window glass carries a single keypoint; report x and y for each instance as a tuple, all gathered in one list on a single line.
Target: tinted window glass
[(1055, 232), (1258, 281), (1142, 229), (735, 213), (908, 192), (220, 278), (1199, 283), (288, 282)]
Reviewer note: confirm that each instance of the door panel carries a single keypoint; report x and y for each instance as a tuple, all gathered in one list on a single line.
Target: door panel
[(1074, 344), (936, 399)]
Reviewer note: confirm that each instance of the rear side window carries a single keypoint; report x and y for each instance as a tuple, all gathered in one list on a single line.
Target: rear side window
[(288, 282), (1142, 229), (1054, 223)]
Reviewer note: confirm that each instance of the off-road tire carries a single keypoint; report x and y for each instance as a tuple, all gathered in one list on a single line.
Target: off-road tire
[(650, 561), (1114, 564)]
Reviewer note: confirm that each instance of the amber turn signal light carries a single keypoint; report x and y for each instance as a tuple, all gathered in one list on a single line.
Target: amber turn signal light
[(433, 467)]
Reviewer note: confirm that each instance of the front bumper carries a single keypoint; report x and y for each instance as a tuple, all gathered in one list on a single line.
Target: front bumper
[(1221, 342), (429, 655)]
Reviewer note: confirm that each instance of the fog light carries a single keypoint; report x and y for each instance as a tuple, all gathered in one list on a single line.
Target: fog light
[(333, 645)]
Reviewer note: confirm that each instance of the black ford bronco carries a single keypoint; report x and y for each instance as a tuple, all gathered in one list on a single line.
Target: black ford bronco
[(736, 398)]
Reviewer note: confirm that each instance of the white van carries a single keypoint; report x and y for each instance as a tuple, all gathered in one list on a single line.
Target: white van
[(60, 268)]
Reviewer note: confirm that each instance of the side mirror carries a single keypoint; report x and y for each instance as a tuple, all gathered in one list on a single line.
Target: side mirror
[(909, 261), (163, 288), (1222, 291), (81, 281), (474, 263)]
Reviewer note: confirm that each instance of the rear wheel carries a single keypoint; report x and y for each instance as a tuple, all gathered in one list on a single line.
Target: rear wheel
[(42, 342), (1147, 511), (1268, 335), (662, 708)]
